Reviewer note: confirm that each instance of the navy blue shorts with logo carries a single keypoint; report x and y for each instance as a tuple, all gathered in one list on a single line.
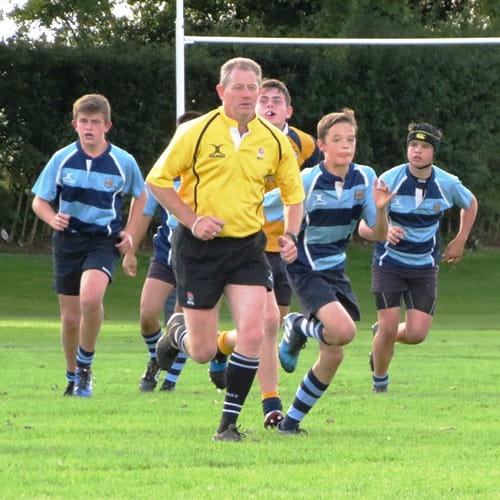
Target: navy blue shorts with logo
[(282, 288), (204, 268), (73, 254), (315, 289)]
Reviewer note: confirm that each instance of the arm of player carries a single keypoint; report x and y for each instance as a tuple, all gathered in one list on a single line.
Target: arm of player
[(381, 197), (134, 215), (43, 209), (455, 249), (288, 241), (204, 227), (129, 262)]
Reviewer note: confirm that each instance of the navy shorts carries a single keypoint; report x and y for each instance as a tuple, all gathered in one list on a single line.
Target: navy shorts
[(315, 289), (161, 271), (417, 287), (204, 268), (73, 254), (282, 288)]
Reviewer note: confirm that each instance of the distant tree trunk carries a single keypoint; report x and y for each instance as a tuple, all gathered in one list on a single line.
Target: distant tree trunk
[(33, 231), (25, 219), (17, 213)]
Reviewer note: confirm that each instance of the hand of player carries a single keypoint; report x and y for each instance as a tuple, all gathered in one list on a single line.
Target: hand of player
[(288, 248), (207, 227), (395, 234), (381, 194), (129, 264), (60, 222), (126, 244), (454, 251)]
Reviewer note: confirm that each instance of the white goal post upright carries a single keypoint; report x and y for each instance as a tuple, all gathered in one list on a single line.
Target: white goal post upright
[(181, 41)]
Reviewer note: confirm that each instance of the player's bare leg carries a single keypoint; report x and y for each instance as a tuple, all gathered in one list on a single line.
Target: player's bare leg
[(69, 306)]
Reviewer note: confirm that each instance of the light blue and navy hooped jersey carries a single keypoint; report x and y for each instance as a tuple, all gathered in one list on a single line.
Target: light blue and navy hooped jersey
[(88, 189), (418, 207), (162, 239), (332, 209)]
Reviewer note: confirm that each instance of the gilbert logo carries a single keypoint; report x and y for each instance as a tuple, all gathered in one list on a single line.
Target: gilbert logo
[(217, 153)]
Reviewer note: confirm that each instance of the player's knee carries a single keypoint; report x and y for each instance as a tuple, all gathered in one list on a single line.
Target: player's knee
[(340, 335), (90, 304), (416, 336), (70, 322), (202, 354), (149, 319), (251, 337)]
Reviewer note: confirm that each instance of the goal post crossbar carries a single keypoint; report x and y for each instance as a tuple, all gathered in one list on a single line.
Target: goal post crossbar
[(189, 40), (181, 41)]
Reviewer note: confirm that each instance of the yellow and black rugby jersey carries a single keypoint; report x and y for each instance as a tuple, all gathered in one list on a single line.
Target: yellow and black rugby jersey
[(224, 175), (307, 154)]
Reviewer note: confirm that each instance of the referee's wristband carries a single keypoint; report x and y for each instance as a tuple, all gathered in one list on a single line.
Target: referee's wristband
[(193, 227), (293, 237)]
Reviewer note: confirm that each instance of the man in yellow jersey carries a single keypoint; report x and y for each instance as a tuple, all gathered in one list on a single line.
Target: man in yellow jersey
[(224, 159), (275, 105)]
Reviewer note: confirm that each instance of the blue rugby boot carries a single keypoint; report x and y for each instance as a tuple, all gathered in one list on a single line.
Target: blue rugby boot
[(83, 383), (292, 342)]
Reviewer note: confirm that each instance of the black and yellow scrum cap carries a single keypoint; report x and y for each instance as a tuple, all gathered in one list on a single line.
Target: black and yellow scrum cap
[(425, 132)]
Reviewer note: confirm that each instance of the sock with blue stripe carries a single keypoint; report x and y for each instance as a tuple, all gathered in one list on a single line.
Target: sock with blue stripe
[(84, 358), (311, 327), (151, 341), (175, 370), (70, 376), (380, 381), (307, 395), (241, 372)]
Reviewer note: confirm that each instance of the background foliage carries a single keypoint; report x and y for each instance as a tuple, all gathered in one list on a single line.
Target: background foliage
[(87, 46)]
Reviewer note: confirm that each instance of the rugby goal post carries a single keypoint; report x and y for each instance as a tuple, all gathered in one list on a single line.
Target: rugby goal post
[(181, 41)]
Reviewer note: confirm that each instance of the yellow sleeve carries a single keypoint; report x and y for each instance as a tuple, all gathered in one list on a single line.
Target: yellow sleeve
[(288, 176), (174, 160)]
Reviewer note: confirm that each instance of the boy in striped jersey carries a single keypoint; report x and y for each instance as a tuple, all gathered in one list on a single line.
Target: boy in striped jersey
[(338, 194), (80, 195), (405, 266)]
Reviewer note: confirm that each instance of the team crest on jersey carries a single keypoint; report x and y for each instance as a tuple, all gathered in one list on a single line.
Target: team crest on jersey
[(359, 195), (437, 207), (108, 183), (217, 152), (260, 154), (190, 298)]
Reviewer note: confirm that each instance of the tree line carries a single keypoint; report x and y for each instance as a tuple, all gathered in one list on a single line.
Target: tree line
[(453, 87)]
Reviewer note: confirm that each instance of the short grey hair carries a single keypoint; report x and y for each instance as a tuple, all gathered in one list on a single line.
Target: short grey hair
[(239, 63)]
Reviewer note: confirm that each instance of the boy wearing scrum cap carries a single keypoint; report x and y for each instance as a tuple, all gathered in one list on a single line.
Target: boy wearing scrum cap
[(405, 266)]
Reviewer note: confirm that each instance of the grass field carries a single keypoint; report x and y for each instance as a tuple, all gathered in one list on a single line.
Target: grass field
[(435, 435)]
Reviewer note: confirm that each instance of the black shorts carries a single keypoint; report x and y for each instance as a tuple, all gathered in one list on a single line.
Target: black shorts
[(161, 271), (282, 288), (73, 254), (417, 287), (315, 289), (203, 268)]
